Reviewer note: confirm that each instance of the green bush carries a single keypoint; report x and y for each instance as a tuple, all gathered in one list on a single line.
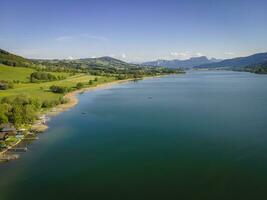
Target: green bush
[(91, 82), (19, 110), (42, 76), (79, 85), (59, 89), (5, 85)]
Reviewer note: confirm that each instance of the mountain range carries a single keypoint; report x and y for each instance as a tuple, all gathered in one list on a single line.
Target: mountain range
[(189, 63), (11, 59), (94, 66), (256, 62), (237, 63)]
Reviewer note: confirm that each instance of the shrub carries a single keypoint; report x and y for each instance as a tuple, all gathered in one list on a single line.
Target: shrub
[(79, 85), (4, 85), (42, 76), (19, 110), (59, 89), (91, 82)]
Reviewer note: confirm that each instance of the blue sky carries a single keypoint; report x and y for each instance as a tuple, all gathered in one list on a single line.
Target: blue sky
[(135, 31)]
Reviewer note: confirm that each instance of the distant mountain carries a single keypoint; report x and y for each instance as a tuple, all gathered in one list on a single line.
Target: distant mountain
[(10, 59), (189, 63), (95, 66), (237, 63), (101, 62), (105, 61)]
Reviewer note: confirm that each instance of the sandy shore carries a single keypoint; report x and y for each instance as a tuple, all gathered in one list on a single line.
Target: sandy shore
[(73, 100)]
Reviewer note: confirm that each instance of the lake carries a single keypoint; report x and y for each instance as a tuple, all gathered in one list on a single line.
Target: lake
[(201, 135)]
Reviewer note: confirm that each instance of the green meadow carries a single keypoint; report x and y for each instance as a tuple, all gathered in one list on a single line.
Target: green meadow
[(41, 90)]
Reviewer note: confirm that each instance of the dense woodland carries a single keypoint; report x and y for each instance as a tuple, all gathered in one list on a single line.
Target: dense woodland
[(257, 68), (22, 109)]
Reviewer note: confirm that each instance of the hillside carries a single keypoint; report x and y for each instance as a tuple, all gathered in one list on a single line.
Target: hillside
[(87, 63), (10, 59), (238, 63), (105, 61), (260, 68), (189, 63)]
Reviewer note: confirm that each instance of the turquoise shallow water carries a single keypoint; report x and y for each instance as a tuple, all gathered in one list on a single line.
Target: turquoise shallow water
[(202, 135)]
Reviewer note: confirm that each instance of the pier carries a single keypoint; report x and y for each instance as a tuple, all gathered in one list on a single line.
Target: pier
[(16, 149)]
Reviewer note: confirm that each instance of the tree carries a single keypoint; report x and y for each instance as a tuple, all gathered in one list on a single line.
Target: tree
[(17, 115), (42, 76), (90, 82), (79, 85), (59, 89), (3, 113)]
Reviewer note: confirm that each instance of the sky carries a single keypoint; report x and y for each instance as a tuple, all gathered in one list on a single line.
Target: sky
[(133, 30)]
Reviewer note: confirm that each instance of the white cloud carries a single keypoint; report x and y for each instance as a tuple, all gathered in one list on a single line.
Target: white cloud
[(185, 55), (94, 37), (123, 55), (70, 58), (229, 53), (198, 54), (63, 38), (179, 54)]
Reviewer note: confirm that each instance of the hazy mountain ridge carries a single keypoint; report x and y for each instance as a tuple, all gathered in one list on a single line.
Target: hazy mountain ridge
[(13, 60), (239, 62), (96, 66), (254, 63), (189, 63)]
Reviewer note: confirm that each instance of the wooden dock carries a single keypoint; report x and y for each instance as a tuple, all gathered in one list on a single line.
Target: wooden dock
[(16, 149)]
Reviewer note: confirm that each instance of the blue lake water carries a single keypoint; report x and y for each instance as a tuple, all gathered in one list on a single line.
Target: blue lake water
[(201, 135)]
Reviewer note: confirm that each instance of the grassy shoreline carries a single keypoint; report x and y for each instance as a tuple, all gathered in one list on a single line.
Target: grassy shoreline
[(72, 102)]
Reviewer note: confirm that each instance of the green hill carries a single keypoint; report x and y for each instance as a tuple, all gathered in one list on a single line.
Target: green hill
[(8, 73), (87, 63), (10, 59)]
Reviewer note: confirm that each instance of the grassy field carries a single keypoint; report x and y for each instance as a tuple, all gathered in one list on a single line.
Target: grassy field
[(22, 74), (15, 73), (41, 90)]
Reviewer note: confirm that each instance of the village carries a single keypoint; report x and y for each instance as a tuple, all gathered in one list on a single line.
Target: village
[(11, 137)]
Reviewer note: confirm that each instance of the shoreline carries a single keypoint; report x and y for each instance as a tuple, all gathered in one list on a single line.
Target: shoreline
[(72, 102)]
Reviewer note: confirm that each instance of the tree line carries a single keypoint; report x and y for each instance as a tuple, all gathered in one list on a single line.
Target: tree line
[(44, 76), (23, 109)]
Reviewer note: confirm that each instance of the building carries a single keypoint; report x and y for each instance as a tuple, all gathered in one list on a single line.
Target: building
[(3, 136), (7, 131)]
